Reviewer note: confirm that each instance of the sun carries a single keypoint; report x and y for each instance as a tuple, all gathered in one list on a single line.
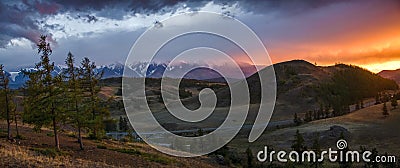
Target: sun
[(377, 67)]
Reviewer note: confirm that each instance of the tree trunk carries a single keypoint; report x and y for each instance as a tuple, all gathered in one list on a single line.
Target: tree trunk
[(78, 121), (16, 123), (94, 118), (93, 104), (80, 138), (57, 143), (8, 116), (94, 126)]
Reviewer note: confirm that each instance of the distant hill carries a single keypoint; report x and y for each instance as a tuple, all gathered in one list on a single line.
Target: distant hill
[(302, 86), (391, 74)]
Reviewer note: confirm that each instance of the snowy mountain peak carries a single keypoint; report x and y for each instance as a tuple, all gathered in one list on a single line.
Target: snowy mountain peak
[(141, 69)]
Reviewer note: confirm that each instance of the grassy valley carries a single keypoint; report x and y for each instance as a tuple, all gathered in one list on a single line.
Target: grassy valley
[(330, 93)]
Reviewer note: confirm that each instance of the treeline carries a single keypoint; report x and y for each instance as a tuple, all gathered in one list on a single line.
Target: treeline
[(350, 85), (326, 112), (55, 100)]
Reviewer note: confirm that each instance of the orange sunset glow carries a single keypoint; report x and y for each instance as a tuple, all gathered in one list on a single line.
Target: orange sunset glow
[(366, 36)]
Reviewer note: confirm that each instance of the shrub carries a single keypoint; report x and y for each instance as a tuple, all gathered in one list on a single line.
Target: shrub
[(101, 147), (50, 152)]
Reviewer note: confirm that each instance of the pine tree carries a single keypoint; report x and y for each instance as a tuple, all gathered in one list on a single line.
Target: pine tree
[(321, 111), (358, 106), (32, 90), (307, 117), (6, 103), (386, 98), (315, 114), (200, 132), (45, 94), (14, 109), (344, 163), (296, 119), (394, 102), (123, 124), (317, 149), (327, 112), (385, 110), (337, 109), (250, 157), (92, 103), (298, 143), (74, 97), (374, 154), (377, 99)]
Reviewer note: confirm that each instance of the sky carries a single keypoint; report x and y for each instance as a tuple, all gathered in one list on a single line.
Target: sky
[(364, 33)]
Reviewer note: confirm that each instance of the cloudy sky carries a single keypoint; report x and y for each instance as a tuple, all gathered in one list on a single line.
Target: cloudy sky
[(365, 33)]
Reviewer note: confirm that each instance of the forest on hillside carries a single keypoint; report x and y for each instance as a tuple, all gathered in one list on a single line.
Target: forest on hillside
[(351, 85)]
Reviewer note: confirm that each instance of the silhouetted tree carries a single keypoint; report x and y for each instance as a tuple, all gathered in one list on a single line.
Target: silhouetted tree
[(344, 163), (377, 99), (296, 119), (385, 110), (200, 132), (375, 153), (250, 157), (327, 112), (394, 102), (317, 149), (298, 143), (308, 117), (320, 112), (361, 104), (315, 114), (358, 106), (123, 124), (6, 103)]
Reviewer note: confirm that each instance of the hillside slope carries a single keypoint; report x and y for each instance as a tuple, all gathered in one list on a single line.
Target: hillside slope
[(36, 150), (366, 127), (302, 86), (391, 74)]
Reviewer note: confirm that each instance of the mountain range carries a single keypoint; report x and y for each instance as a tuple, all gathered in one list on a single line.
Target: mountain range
[(150, 70), (391, 74), (202, 72)]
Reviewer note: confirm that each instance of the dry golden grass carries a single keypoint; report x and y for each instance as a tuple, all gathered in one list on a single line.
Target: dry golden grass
[(106, 92), (36, 150), (17, 156), (368, 127)]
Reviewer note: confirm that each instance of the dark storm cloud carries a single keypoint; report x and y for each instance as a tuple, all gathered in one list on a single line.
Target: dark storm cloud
[(20, 19), (284, 6), (46, 8)]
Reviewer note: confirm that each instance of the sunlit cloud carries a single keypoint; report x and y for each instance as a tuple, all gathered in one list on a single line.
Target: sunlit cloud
[(364, 33)]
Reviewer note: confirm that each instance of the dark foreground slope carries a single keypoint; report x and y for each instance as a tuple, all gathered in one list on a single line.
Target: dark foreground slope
[(36, 150)]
